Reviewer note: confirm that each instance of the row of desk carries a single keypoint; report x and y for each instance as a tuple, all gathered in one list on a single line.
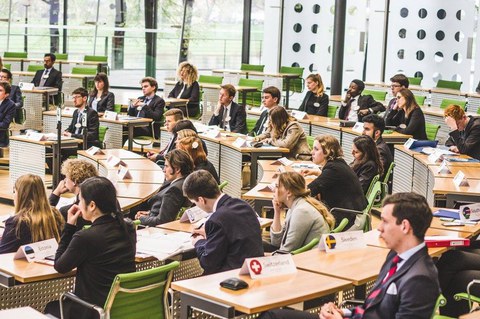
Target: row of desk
[(21, 64)]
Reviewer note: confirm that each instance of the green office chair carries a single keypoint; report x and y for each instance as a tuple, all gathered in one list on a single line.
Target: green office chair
[(117, 108), (431, 130), (375, 179), (441, 301), (310, 140), (296, 85), (377, 95), (252, 67), (415, 80), (314, 242), (251, 124), (18, 55), (444, 84), (61, 56), (84, 71), (447, 102), (8, 66), (143, 293), (341, 226), (210, 79), (222, 185), (35, 67), (253, 98), (95, 58), (420, 99), (102, 130), (332, 111), (384, 187)]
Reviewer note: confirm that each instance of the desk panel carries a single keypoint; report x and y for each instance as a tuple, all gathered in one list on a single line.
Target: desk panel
[(231, 164), (403, 172)]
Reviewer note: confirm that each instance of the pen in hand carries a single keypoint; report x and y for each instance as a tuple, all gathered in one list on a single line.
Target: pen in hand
[(201, 225), (196, 234)]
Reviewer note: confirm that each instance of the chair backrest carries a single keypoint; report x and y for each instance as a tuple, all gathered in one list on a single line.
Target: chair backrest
[(20, 116), (332, 111), (102, 130), (35, 67), (252, 98), (210, 79), (447, 102), (84, 71), (95, 58), (314, 242), (251, 124), (377, 95), (18, 55), (222, 185), (8, 66), (431, 130), (117, 108), (61, 56), (252, 67), (310, 140), (444, 84), (415, 80), (375, 179), (386, 177), (420, 99), (441, 301), (374, 192), (143, 293), (296, 85), (341, 226)]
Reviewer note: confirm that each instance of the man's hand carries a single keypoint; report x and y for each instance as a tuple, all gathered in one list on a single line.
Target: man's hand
[(330, 311), (61, 188), (141, 213), (73, 213)]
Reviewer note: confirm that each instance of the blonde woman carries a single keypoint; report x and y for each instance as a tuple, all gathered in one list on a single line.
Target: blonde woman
[(315, 101), (34, 220), (187, 88), (193, 146), (306, 219), (285, 131)]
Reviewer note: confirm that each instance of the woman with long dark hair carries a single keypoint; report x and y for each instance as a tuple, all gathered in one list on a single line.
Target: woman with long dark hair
[(366, 163), (101, 99)]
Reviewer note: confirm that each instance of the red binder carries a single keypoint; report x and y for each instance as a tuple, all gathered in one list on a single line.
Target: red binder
[(445, 241)]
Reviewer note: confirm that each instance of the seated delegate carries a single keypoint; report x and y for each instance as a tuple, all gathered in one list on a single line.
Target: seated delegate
[(101, 99), (316, 100), (306, 217), (464, 132), (284, 131), (187, 87), (34, 219), (193, 146), (355, 105), (366, 163)]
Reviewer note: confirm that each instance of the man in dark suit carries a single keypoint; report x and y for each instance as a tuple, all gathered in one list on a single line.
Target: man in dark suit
[(16, 93), (407, 285), (7, 112), (228, 115), (150, 106), (231, 233), (398, 82), (373, 126), (355, 106), (166, 204), (464, 131), (270, 99), (172, 116), (76, 127), (49, 77)]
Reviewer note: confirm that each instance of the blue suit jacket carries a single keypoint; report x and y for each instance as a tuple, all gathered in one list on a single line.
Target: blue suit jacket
[(7, 113), (233, 234)]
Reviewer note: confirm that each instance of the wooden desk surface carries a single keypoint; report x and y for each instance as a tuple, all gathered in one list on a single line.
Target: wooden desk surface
[(26, 272), (120, 153), (262, 294), (273, 165), (359, 265), (23, 313), (254, 193), (136, 165), (423, 158), (446, 186), (128, 203), (472, 230), (142, 177), (136, 190), (470, 172), (23, 138), (187, 227), (263, 149), (473, 315)]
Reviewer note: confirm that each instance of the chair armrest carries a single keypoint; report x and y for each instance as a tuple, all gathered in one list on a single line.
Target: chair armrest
[(353, 302), (83, 303)]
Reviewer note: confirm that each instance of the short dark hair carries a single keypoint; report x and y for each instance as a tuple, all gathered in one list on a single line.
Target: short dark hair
[(377, 121), (7, 71), (180, 159), (81, 91), (400, 79), (412, 207), (51, 55), (360, 84), (274, 92), (182, 125), (176, 113), (6, 86), (150, 81), (230, 89), (200, 184)]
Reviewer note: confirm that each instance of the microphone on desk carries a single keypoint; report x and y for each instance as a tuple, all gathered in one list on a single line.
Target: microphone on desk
[(59, 140), (84, 129)]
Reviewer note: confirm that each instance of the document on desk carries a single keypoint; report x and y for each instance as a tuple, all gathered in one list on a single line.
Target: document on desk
[(164, 246)]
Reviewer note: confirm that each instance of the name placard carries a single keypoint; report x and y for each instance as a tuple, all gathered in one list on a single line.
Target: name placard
[(68, 111), (435, 157), (460, 179), (444, 168), (299, 115), (37, 251), (35, 136), (409, 143), (470, 212), (94, 151), (123, 172), (114, 161), (267, 188), (212, 133), (358, 127), (110, 115), (193, 215), (282, 161), (25, 86), (342, 241), (240, 142), (269, 266)]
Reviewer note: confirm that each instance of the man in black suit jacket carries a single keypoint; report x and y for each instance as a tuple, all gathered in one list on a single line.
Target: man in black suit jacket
[(172, 116), (373, 126), (465, 132), (16, 93), (231, 233), (150, 106), (407, 285), (49, 77), (355, 106), (228, 115), (7, 112), (398, 82), (166, 204), (270, 99), (75, 129)]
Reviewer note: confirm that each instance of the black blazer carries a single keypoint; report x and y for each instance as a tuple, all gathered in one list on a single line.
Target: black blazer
[(364, 102), (467, 142), (192, 93), (166, 204), (54, 79), (415, 123), (7, 113), (411, 292), (154, 110), (99, 253), (16, 96), (208, 166), (259, 126), (385, 155), (10, 242), (388, 110), (366, 173), (92, 127), (106, 103), (238, 119), (233, 234), (308, 104)]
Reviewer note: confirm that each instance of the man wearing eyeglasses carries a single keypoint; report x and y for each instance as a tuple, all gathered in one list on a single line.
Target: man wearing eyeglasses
[(399, 81), (16, 93)]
